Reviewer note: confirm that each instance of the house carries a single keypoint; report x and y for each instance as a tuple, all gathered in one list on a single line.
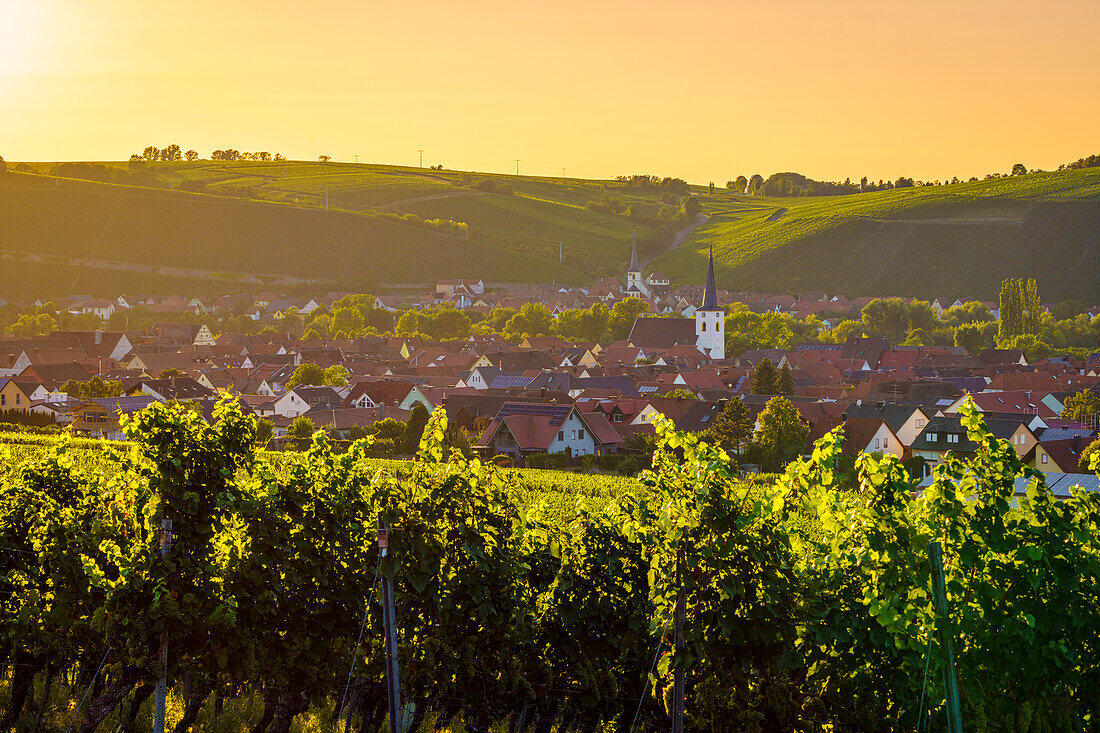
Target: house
[(1057, 456), (870, 435), (303, 398), (946, 434), (99, 418), (520, 429), (183, 389), (907, 421), (373, 393), (14, 396)]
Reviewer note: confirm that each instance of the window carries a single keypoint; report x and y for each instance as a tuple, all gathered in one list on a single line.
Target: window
[(3, 400), (952, 438), (561, 435), (932, 437), (18, 398), (580, 435), (704, 325), (616, 417), (876, 443), (1044, 459)]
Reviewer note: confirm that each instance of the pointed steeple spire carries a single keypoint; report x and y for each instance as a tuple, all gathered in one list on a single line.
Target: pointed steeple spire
[(710, 295), (634, 266)]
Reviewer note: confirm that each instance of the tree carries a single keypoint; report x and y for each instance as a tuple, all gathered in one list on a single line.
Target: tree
[(533, 319), (28, 325), (336, 375), (1020, 309), (785, 383), (3, 165), (622, 318), (170, 373), (887, 317), (265, 429), (279, 158), (299, 433), (972, 337), (1083, 407), (414, 429), (679, 394), (94, 388), (733, 427), (264, 155), (191, 156), (171, 153), (1084, 465), (150, 154), (764, 378), (756, 183), (308, 374), (780, 434), (587, 324), (1019, 169), (741, 184), (324, 158), (350, 320)]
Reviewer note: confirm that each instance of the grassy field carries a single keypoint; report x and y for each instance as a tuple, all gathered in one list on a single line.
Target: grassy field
[(269, 220)]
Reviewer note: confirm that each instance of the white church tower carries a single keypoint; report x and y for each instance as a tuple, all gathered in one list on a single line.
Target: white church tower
[(710, 320), (635, 285)]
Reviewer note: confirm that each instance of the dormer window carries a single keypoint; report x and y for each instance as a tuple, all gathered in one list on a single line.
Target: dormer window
[(932, 437)]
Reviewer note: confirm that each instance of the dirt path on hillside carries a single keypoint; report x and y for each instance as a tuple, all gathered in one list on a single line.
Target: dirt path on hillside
[(680, 237)]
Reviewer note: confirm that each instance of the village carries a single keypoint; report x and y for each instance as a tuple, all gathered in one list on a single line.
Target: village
[(542, 396)]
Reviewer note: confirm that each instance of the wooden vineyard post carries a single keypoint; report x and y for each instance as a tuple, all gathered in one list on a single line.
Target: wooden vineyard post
[(393, 679), (162, 683), (678, 677), (950, 678)]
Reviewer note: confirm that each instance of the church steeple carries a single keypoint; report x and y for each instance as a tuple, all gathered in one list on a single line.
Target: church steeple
[(710, 295), (634, 266), (710, 320)]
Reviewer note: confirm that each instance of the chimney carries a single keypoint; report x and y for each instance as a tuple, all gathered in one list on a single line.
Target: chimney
[(1077, 443)]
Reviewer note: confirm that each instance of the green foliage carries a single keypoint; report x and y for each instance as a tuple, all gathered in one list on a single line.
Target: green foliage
[(1020, 310), (1088, 457), (764, 378), (784, 384), (780, 434), (533, 319), (733, 427), (1083, 406), (94, 388), (807, 599)]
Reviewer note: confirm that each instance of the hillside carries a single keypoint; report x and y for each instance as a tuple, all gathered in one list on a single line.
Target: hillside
[(932, 241), (207, 227)]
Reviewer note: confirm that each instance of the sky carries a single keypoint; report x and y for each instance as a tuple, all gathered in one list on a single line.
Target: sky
[(703, 90)]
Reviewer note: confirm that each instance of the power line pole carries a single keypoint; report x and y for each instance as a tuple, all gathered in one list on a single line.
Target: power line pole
[(162, 683), (517, 166), (563, 174), (393, 678), (421, 151), (357, 160)]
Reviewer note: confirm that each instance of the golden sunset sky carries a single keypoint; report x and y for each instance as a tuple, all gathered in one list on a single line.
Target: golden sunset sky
[(696, 89)]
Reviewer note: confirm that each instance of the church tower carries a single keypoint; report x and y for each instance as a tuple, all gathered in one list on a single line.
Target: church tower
[(635, 286), (710, 320)]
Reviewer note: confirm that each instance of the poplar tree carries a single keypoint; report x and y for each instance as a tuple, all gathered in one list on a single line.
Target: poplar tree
[(785, 383)]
